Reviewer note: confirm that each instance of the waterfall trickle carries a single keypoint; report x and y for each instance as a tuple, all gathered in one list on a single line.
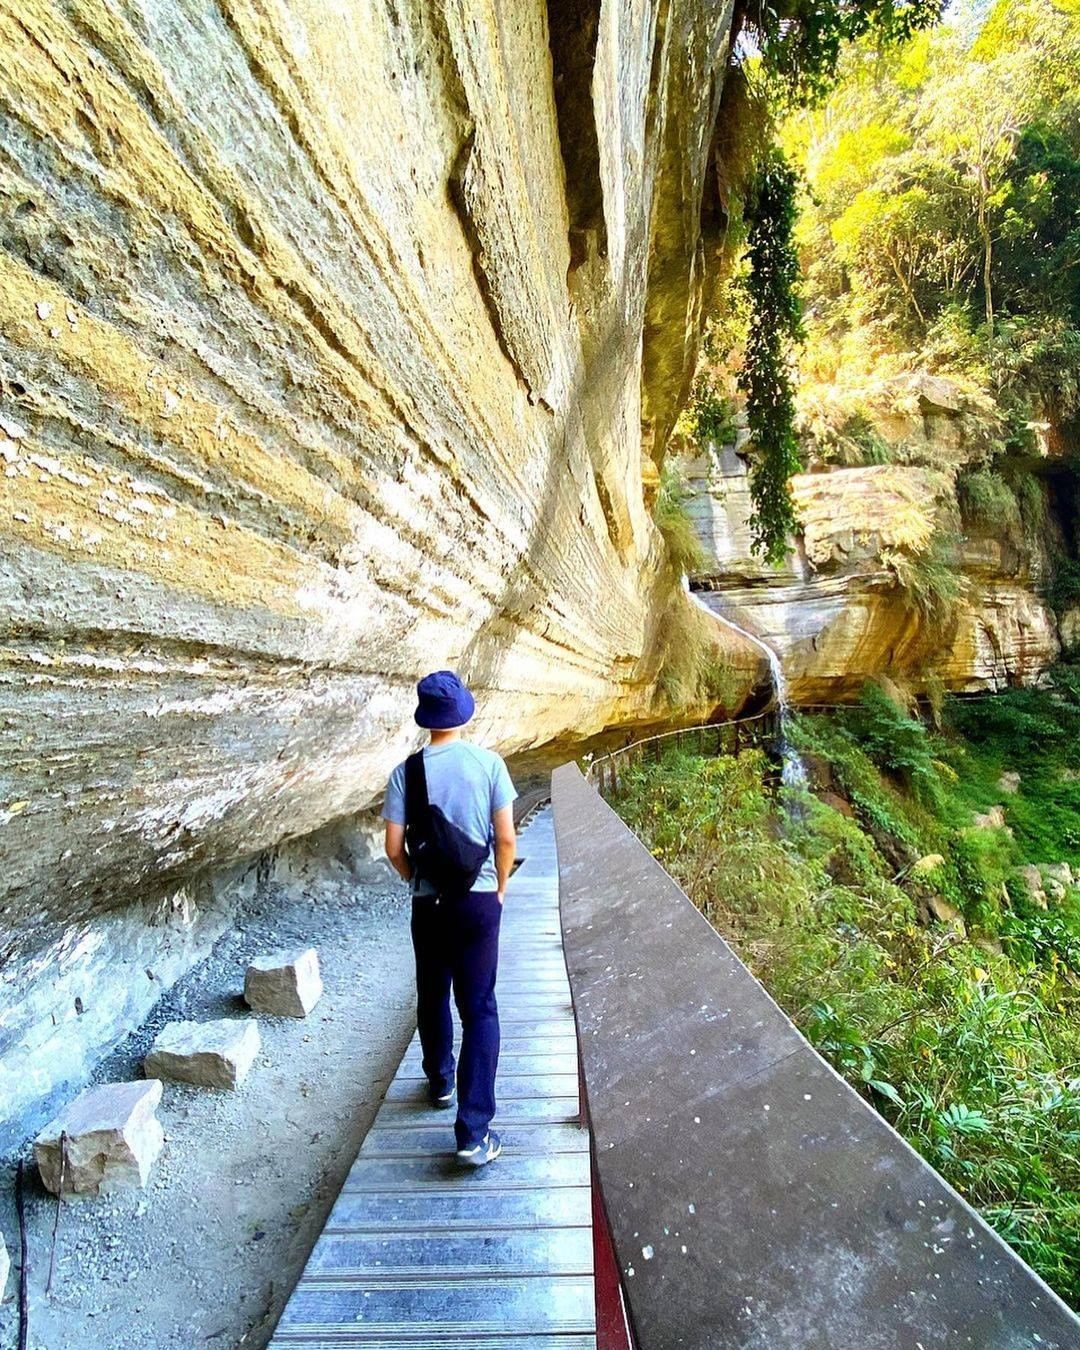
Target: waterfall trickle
[(792, 769)]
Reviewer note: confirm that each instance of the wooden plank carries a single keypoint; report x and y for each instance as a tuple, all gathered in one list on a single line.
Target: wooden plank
[(419, 1251)]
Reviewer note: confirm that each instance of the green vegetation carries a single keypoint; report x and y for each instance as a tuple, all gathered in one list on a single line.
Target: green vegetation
[(930, 579), (924, 954), (693, 674), (774, 328), (917, 184), (709, 419), (674, 523), (786, 57), (940, 231)]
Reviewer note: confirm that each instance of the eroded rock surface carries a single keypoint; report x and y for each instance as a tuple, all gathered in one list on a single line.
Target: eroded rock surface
[(839, 611), (316, 374), (107, 1139)]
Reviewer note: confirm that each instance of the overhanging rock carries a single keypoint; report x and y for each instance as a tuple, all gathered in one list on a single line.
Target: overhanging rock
[(313, 379)]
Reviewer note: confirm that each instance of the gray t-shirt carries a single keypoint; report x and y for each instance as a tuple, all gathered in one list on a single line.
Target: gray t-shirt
[(468, 784)]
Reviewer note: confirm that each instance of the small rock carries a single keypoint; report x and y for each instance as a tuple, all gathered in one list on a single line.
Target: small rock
[(284, 984), (208, 1054), (1060, 872), (1009, 782), (5, 1266), (112, 1140), (939, 909), (1032, 881), (994, 819)]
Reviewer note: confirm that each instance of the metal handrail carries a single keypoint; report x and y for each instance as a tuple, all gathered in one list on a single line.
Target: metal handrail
[(603, 772), (684, 731)]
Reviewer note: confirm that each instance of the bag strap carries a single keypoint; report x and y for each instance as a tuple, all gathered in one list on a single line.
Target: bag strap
[(417, 802)]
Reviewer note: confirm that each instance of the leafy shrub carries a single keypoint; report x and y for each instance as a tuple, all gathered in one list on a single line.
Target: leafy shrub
[(895, 741), (710, 418), (988, 501), (870, 445)]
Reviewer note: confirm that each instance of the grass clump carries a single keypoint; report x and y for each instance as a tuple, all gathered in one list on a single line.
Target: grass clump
[(966, 1036), (673, 521), (693, 674), (930, 579)]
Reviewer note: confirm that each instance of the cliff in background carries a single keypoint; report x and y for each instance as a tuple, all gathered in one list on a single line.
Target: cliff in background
[(886, 577), (332, 337)]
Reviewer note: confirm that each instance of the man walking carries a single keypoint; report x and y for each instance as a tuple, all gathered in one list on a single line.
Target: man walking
[(450, 832)]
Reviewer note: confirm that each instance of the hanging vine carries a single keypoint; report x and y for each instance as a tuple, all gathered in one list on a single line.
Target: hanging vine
[(775, 330)]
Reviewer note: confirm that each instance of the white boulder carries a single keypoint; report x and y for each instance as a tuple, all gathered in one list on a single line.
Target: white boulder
[(284, 984), (208, 1054), (111, 1139)]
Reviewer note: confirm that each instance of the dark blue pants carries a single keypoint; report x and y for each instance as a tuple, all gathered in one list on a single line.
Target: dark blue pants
[(457, 944)]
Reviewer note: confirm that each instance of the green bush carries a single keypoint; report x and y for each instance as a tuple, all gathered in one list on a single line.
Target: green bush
[(988, 501)]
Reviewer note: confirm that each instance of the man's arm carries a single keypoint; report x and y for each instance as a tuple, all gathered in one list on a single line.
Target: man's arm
[(395, 850), (505, 845)]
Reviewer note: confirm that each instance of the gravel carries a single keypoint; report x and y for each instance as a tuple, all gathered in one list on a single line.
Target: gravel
[(209, 1252)]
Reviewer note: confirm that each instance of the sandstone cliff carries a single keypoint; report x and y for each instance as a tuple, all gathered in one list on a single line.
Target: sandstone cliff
[(847, 606), (332, 336)]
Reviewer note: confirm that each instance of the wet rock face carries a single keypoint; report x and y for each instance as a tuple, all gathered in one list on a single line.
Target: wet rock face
[(322, 366)]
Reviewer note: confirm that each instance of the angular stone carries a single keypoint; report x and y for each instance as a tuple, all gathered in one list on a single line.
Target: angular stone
[(208, 1054), (5, 1266), (111, 1139), (284, 984), (1060, 872), (1009, 782), (938, 909)]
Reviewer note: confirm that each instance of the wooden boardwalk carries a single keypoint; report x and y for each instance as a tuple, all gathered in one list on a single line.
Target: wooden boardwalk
[(419, 1252)]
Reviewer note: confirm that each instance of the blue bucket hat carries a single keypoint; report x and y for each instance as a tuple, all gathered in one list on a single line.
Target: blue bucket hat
[(443, 702)]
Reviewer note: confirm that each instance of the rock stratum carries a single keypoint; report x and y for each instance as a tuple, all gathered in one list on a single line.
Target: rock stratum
[(339, 342), (851, 603)]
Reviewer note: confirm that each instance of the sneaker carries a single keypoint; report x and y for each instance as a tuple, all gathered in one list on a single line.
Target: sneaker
[(486, 1151), (443, 1100)]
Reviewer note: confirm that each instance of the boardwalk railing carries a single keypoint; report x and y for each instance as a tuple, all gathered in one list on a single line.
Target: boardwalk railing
[(712, 738), (754, 1200)]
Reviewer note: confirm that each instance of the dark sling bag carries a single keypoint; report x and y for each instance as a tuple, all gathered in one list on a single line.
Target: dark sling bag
[(441, 853)]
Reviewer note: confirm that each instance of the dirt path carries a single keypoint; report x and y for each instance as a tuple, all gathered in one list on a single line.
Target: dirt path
[(209, 1252)]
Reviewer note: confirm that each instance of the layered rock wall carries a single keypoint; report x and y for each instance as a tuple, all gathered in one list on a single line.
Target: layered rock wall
[(321, 365), (848, 604)]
